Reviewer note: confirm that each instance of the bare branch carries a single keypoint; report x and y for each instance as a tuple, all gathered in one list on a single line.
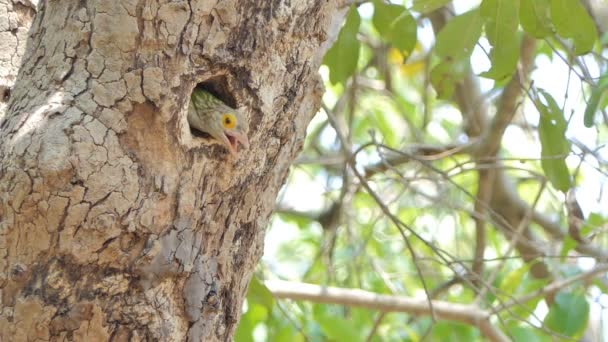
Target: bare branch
[(484, 193), (507, 107), (467, 314), (552, 288), (426, 152)]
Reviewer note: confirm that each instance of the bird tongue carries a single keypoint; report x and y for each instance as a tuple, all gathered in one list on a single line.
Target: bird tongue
[(233, 142), (234, 139)]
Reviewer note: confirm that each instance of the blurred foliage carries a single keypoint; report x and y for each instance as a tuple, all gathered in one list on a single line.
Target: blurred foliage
[(399, 192)]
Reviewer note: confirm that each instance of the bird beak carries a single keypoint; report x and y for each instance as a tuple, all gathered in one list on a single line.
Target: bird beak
[(232, 140)]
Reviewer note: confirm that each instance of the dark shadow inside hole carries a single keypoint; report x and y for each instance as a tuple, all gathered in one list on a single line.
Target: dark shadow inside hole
[(5, 93), (198, 134)]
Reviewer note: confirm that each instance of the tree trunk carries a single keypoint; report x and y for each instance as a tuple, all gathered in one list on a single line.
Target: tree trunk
[(116, 221)]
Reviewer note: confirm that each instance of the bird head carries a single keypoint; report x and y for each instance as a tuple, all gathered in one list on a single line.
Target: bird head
[(228, 126), (210, 115)]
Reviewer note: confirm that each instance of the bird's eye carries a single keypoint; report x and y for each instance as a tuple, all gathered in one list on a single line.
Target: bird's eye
[(228, 121)]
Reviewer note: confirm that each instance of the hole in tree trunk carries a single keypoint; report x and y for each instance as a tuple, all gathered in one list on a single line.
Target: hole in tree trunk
[(218, 87)]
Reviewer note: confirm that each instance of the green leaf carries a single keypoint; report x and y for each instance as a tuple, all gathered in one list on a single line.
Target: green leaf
[(572, 21), (542, 48), (244, 331), (528, 334), (455, 43), (604, 39), (513, 279), (458, 37), (339, 329), (594, 222), (259, 293), (529, 285), (554, 145), (594, 100), (260, 303), (453, 332), (254, 315), (385, 126), (518, 281), (568, 315), (568, 245), (501, 23), (535, 18), (396, 25), (287, 333), (343, 56), (425, 6), (445, 75)]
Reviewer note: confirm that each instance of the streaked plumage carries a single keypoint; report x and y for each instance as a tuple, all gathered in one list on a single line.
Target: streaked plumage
[(208, 114)]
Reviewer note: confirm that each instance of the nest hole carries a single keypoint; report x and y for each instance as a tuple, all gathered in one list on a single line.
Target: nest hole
[(218, 87)]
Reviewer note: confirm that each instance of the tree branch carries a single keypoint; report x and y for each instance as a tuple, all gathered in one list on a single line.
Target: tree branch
[(426, 152), (552, 288), (507, 107), (461, 313)]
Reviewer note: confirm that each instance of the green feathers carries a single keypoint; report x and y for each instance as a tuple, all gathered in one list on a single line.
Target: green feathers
[(203, 100)]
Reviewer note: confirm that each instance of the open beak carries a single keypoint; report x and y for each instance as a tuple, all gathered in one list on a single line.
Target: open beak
[(232, 140)]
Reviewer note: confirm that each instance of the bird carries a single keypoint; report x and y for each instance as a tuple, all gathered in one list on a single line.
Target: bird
[(208, 114)]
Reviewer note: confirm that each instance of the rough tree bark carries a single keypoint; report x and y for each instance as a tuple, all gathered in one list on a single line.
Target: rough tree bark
[(116, 222)]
